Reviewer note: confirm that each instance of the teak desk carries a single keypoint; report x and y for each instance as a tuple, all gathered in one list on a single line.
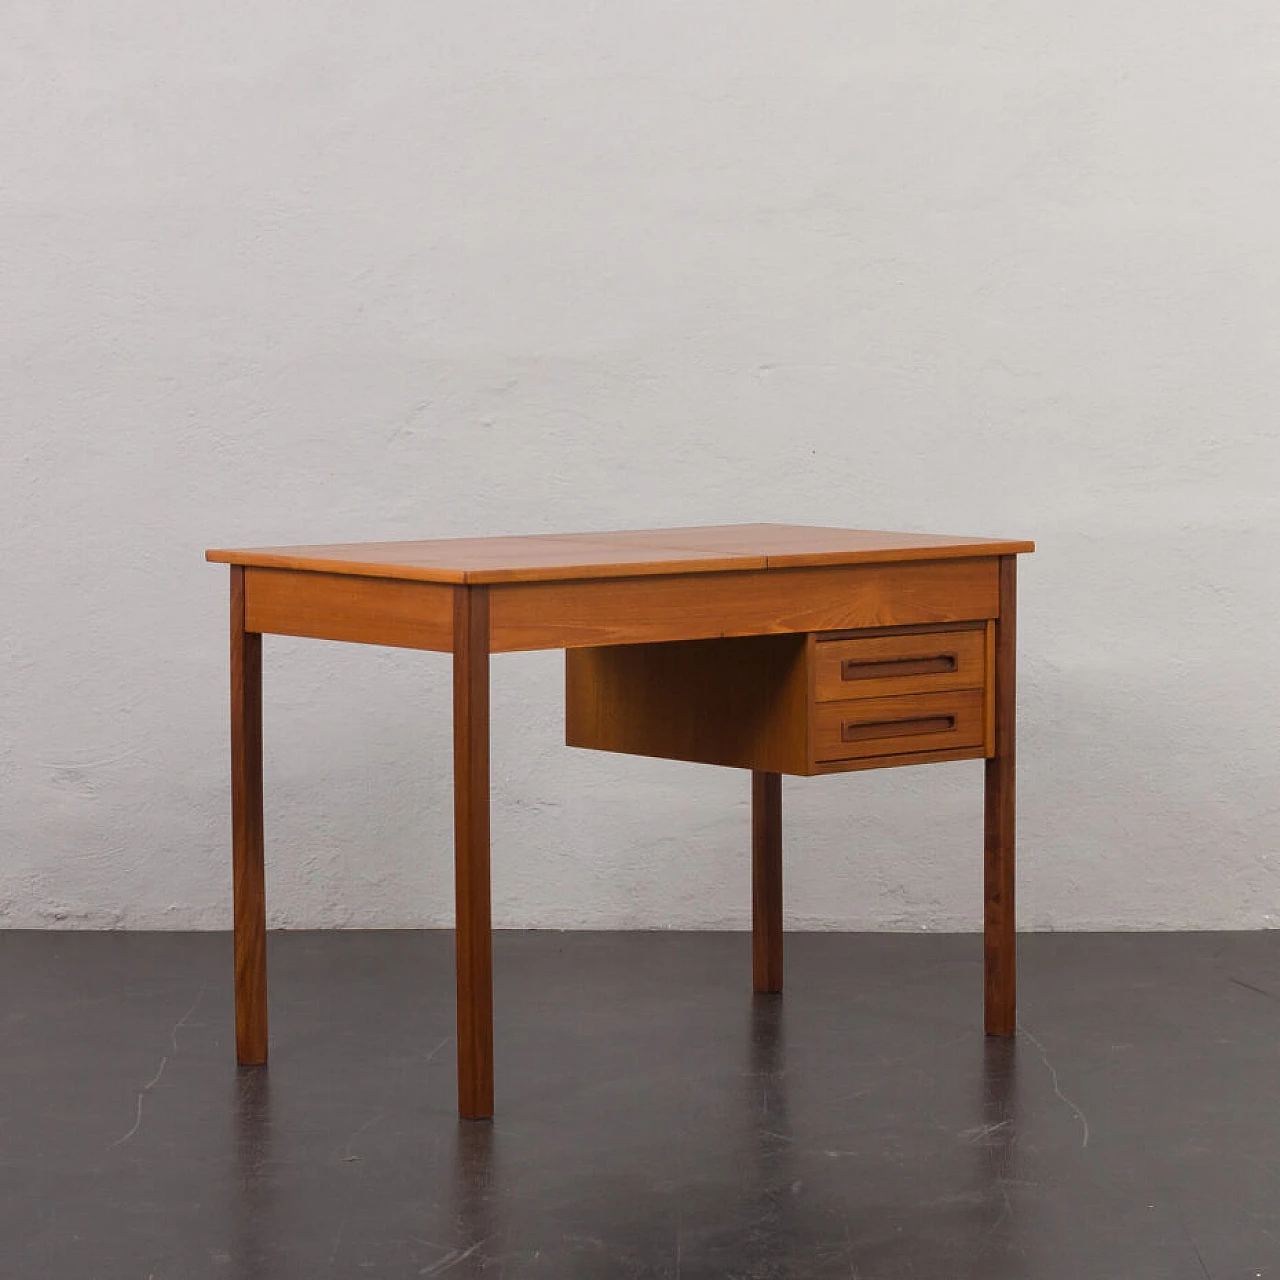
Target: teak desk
[(774, 648)]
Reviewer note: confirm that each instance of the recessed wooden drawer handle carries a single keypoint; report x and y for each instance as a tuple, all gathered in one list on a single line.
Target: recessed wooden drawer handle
[(852, 669), (858, 730)]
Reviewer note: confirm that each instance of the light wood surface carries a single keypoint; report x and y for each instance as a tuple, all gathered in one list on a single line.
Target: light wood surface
[(564, 615), (896, 761), (766, 881), (894, 726), (332, 606), (473, 929), (626, 553), (887, 665), (736, 702), (752, 702), (248, 875), (999, 920), (989, 667)]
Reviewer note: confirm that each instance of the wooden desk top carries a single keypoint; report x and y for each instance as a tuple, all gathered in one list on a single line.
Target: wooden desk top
[(625, 554)]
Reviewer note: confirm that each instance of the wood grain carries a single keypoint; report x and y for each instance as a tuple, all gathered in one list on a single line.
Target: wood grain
[(248, 873), (627, 553), (898, 664), (330, 606), (473, 927), (736, 702), (999, 923), (989, 684), (918, 629), (896, 761), (565, 615), (485, 561), (894, 726), (748, 703), (766, 881)]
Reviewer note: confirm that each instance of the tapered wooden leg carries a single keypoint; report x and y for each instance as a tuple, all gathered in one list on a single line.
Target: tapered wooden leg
[(1000, 928), (471, 851), (247, 870), (766, 881)]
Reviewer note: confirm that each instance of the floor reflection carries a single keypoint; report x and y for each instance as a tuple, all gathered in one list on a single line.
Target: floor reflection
[(474, 1187), (254, 1139), (772, 1205), (787, 1163), (995, 1142)]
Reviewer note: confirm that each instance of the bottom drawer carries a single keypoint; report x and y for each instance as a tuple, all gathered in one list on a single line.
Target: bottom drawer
[(897, 726)]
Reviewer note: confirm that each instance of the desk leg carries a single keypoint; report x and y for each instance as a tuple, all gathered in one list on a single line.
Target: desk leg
[(1000, 927), (473, 928), (247, 870), (766, 881)]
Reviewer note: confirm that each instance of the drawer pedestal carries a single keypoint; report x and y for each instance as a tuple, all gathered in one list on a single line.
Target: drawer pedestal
[(803, 704)]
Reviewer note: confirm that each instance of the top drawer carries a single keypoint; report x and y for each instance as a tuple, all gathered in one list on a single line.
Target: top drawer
[(880, 666)]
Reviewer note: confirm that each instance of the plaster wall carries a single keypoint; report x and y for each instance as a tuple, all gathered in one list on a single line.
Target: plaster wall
[(277, 273)]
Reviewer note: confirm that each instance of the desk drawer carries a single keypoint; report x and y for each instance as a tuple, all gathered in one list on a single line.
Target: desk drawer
[(884, 665), (898, 726)]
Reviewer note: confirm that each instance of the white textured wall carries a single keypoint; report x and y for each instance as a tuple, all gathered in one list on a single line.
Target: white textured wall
[(278, 272)]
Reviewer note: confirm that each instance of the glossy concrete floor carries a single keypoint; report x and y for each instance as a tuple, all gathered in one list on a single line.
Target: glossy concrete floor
[(655, 1120)]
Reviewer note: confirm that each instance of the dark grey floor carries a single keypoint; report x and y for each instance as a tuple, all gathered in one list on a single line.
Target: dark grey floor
[(654, 1118)]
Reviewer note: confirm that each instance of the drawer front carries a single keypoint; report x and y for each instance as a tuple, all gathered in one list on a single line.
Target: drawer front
[(898, 726), (884, 665)]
